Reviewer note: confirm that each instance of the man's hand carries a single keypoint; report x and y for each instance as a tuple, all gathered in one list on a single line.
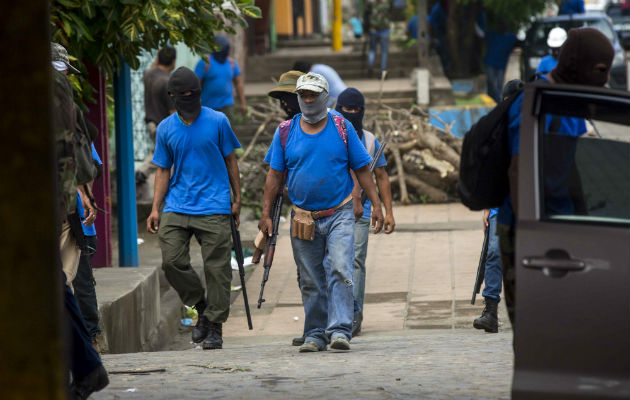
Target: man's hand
[(265, 225), (358, 209), (377, 219), (153, 222), (236, 212), (486, 214), (243, 108), (89, 211), (389, 224)]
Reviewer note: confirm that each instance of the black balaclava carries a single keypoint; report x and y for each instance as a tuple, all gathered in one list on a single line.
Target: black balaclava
[(352, 98), (579, 56), (181, 81), (289, 103), (224, 48)]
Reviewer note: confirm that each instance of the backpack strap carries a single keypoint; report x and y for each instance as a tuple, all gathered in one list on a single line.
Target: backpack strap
[(283, 130), (340, 123)]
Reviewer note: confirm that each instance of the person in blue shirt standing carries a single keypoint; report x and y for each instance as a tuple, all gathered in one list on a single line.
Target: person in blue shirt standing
[(317, 155), (84, 282), (571, 7), (585, 59), (555, 39), (198, 144), (219, 78), (351, 104), (436, 29), (499, 43)]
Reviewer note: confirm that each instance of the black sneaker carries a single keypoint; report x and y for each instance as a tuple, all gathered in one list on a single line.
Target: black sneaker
[(95, 381), (215, 338), (201, 330), (298, 341)]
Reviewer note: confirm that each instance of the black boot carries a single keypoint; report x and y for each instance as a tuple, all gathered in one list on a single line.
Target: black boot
[(298, 341), (201, 330), (94, 382), (488, 320), (215, 338)]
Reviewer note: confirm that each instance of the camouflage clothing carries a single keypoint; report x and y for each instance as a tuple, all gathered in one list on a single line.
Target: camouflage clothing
[(64, 120), (380, 16)]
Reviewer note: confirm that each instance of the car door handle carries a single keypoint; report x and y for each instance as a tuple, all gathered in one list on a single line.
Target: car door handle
[(556, 263), (563, 265)]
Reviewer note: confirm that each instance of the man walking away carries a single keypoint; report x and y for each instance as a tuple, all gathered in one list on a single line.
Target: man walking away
[(379, 12), (500, 43), (351, 104), (198, 144), (219, 78), (157, 104), (317, 151)]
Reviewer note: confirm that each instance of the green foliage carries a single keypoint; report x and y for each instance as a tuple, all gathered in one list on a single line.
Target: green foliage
[(102, 32), (514, 12)]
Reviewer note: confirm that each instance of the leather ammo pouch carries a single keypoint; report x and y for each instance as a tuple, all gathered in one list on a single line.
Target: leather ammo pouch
[(303, 224), (304, 220)]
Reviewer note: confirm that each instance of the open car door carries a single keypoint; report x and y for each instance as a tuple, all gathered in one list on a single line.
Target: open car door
[(572, 255)]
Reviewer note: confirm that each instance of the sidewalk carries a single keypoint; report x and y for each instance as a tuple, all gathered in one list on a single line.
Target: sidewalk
[(420, 277)]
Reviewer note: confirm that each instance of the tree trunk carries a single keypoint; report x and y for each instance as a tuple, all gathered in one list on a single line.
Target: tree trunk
[(464, 45)]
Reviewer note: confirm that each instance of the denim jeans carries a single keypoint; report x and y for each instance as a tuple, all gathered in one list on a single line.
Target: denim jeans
[(382, 39), (325, 266), (495, 82), (361, 234), (84, 288), (493, 277)]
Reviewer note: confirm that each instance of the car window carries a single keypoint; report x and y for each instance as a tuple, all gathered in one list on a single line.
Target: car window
[(541, 30), (585, 163)]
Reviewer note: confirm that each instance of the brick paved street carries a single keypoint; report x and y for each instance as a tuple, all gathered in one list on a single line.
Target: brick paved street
[(417, 340)]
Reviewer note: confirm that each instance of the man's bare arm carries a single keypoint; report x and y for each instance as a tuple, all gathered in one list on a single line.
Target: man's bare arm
[(384, 189), (231, 164), (364, 176), (240, 92), (162, 178), (272, 185)]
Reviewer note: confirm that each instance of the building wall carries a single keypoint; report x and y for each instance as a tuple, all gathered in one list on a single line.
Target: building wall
[(284, 19)]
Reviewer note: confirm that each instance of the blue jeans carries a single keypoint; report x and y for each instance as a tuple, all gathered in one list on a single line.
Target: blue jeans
[(382, 39), (495, 82), (361, 234), (493, 277), (325, 267)]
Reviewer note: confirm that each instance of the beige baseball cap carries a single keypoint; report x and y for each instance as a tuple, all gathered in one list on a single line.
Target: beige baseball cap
[(312, 81)]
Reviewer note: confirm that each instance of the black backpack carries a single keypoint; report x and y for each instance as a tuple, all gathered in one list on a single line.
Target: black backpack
[(483, 179)]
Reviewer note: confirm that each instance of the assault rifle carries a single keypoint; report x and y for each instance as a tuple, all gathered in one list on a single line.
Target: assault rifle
[(271, 241), (481, 269), (238, 253), (378, 154)]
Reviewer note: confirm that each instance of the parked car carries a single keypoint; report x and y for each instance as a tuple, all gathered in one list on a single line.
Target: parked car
[(572, 248), (621, 23), (535, 45)]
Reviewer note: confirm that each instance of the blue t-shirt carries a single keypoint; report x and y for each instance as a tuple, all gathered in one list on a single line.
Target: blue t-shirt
[(216, 89), (569, 126), (87, 230), (499, 48), (571, 7), (318, 174), (199, 184), (335, 83), (412, 27), (367, 207), (546, 64), (437, 19)]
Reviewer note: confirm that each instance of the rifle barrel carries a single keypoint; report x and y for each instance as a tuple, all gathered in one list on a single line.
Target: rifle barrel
[(481, 268), (238, 253)]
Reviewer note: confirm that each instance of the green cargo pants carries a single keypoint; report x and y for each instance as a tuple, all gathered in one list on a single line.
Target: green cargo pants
[(214, 235)]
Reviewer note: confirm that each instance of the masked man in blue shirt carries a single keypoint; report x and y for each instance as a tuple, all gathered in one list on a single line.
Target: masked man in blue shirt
[(318, 151)]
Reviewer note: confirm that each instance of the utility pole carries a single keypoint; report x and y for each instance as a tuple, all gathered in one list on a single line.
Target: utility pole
[(337, 23), (422, 73)]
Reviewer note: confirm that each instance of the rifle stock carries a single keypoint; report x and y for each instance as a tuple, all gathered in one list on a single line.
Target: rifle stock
[(481, 269)]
